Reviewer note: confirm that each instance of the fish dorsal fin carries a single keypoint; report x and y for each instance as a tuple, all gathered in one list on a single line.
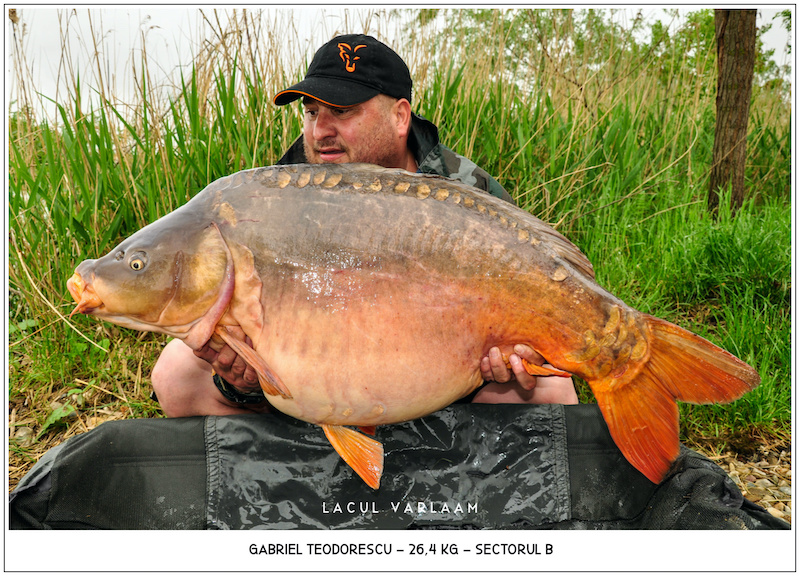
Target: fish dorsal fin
[(578, 259), (566, 249), (362, 453), (270, 382)]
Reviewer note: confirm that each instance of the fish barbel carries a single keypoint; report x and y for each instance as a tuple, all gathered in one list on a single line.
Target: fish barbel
[(370, 296)]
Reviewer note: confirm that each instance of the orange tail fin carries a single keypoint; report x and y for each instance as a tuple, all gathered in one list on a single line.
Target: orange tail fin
[(640, 408)]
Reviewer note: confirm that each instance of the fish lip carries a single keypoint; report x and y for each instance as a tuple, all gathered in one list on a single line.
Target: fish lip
[(75, 285), (89, 303), (87, 299)]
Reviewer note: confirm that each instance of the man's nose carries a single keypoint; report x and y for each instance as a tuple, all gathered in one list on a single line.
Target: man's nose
[(324, 125)]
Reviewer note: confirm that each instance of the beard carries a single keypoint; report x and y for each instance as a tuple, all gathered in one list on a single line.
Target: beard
[(379, 147)]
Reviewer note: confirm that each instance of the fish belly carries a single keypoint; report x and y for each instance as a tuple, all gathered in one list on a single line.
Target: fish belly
[(391, 350)]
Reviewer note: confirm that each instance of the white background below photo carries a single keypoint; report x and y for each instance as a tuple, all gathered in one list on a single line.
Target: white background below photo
[(413, 551)]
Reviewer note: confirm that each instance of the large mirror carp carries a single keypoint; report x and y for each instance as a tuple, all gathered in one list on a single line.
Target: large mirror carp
[(370, 296)]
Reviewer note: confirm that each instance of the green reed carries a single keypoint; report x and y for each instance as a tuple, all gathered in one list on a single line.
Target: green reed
[(615, 153)]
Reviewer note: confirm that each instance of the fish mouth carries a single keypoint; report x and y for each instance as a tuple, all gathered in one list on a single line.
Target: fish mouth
[(83, 294)]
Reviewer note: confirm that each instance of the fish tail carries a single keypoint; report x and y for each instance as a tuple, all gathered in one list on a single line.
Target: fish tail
[(640, 405)]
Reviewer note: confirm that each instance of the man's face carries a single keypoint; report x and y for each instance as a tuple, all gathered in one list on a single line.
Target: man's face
[(366, 132)]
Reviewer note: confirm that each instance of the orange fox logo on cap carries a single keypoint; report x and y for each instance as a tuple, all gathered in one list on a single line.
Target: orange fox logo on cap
[(348, 55)]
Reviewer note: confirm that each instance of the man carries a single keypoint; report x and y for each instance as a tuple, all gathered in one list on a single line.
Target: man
[(357, 108)]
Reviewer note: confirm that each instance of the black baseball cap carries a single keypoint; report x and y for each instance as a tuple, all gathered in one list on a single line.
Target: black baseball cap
[(351, 69)]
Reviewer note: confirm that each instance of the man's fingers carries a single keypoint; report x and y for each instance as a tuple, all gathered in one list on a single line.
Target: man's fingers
[(250, 376), (215, 343), (238, 366), (206, 352), (499, 368), (227, 359), (531, 355), (524, 379)]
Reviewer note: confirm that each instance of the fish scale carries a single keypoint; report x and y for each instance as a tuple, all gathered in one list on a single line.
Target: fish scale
[(370, 296)]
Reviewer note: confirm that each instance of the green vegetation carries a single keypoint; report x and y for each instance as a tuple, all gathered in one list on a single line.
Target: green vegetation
[(605, 135)]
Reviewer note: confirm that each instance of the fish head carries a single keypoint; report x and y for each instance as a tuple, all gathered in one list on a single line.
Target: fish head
[(171, 277)]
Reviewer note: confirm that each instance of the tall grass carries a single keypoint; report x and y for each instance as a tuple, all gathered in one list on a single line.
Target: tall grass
[(616, 155)]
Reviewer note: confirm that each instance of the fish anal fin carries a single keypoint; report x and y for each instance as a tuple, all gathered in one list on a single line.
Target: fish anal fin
[(361, 453), (270, 382), (536, 370)]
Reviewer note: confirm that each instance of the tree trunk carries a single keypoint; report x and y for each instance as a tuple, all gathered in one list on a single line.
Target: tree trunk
[(736, 56)]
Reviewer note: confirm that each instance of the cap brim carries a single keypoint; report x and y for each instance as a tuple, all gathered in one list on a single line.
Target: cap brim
[(330, 91)]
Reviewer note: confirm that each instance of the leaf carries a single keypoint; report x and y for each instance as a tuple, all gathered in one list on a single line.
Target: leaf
[(57, 416)]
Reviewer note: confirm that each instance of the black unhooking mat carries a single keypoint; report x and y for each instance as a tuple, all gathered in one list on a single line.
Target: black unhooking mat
[(470, 466)]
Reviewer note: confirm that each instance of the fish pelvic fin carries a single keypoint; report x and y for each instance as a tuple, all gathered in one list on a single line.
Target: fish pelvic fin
[(640, 407), (361, 453), (269, 381)]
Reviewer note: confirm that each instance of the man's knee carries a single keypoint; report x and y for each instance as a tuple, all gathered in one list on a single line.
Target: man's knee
[(176, 378), (182, 382)]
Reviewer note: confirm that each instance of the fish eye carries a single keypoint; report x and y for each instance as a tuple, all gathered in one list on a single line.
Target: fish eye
[(138, 261)]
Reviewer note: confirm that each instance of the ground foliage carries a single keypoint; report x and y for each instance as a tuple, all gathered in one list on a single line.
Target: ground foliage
[(602, 128)]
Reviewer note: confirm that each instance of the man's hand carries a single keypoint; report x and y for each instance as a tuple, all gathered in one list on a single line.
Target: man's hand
[(494, 368), (227, 363), (517, 386)]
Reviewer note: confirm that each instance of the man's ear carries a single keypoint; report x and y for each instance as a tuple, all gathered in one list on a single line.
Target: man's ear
[(402, 116)]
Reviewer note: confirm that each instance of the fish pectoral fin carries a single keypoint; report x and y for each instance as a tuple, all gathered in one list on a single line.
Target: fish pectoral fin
[(270, 382), (362, 454), (536, 370)]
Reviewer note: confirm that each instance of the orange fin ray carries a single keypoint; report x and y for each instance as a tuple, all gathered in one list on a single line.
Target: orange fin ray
[(643, 421), (270, 382), (362, 454), (695, 370), (536, 370), (640, 406)]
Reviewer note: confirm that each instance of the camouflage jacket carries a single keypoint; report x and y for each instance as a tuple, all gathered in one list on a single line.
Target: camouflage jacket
[(432, 157)]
